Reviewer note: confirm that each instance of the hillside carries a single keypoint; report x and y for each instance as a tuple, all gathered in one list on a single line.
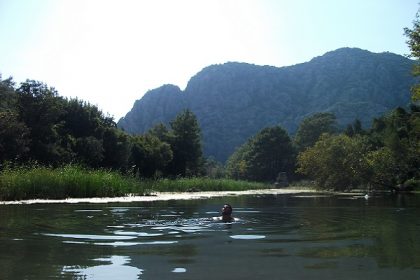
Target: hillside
[(233, 101)]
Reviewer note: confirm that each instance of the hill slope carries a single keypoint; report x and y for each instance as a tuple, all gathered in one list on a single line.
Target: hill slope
[(233, 101)]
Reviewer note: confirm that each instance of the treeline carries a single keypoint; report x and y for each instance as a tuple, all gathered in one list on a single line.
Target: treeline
[(384, 157), (39, 126)]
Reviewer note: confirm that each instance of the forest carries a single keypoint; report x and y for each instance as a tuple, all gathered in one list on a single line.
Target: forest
[(39, 126)]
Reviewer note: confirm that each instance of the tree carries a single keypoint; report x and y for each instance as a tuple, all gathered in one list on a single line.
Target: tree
[(336, 162), (414, 45), (312, 127), (237, 164), (7, 95), (83, 119), (354, 129), (40, 109), (149, 156), (385, 168), (14, 137), (262, 158), (89, 151), (213, 168), (117, 149), (396, 137), (161, 132), (185, 141)]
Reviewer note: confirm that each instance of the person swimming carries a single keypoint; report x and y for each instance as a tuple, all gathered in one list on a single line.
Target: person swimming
[(226, 214)]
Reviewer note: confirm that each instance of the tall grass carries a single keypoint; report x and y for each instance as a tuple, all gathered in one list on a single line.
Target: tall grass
[(69, 181), (204, 184), (76, 182)]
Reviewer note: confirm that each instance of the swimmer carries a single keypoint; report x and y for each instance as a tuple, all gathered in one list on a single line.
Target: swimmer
[(226, 214)]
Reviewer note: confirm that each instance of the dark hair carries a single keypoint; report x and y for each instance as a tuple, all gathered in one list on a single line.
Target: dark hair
[(227, 209)]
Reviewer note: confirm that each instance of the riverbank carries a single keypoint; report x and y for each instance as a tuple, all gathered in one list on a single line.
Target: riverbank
[(164, 196), (28, 183)]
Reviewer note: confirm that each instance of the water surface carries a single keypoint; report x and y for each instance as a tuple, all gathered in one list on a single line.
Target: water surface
[(276, 237)]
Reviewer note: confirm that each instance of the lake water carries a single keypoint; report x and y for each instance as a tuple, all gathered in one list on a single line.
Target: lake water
[(277, 237)]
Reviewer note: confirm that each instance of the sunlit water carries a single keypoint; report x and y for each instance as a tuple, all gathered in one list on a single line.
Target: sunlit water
[(275, 237)]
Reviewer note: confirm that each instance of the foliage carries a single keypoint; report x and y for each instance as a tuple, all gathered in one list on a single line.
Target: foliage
[(263, 156), (37, 125), (7, 94), (40, 109), (396, 157), (387, 156), (149, 155), (185, 141), (413, 43), (14, 140), (336, 162), (213, 169), (354, 128), (311, 128), (117, 147)]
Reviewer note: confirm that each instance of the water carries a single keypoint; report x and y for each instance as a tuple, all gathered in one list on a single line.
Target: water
[(276, 237)]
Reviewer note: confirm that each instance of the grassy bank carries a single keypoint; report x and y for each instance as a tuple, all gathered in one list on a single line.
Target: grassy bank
[(76, 182), (69, 181), (203, 184)]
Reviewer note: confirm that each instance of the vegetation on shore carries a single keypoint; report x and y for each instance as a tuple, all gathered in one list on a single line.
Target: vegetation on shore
[(41, 182)]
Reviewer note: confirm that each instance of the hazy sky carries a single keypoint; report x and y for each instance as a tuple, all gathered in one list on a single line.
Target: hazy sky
[(111, 52)]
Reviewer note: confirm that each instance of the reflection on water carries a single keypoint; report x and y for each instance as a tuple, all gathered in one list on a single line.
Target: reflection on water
[(295, 237), (114, 267), (247, 236), (179, 270)]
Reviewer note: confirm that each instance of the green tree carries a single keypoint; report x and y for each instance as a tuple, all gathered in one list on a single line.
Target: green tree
[(336, 162), (14, 137), (262, 158), (161, 132), (413, 42), (311, 128), (396, 137), (7, 95), (83, 119), (213, 168), (149, 156), (384, 166), (117, 149), (40, 109), (92, 138), (185, 141), (89, 151), (237, 165), (354, 129)]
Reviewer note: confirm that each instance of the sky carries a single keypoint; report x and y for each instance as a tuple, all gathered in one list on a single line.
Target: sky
[(111, 52)]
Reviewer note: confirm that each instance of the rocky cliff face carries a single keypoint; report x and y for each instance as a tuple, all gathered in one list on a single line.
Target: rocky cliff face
[(159, 105), (233, 101)]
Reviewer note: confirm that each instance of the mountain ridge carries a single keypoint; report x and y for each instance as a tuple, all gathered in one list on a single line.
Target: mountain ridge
[(234, 100)]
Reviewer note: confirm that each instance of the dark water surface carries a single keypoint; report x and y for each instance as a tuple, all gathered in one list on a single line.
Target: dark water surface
[(277, 237)]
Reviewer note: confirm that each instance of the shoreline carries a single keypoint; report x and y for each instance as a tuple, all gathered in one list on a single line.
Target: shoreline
[(161, 196)]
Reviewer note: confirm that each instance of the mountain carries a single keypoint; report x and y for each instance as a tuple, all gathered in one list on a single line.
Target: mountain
[(233, 101)]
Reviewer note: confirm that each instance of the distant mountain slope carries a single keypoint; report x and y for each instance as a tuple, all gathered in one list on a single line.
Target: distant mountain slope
[(233, 101)]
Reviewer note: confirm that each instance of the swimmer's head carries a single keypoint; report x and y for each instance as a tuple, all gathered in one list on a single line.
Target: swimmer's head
[(227, 210)]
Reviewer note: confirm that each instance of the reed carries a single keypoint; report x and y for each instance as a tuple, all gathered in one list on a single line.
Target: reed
[(204, 184), (38, 182), (68, 181)]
